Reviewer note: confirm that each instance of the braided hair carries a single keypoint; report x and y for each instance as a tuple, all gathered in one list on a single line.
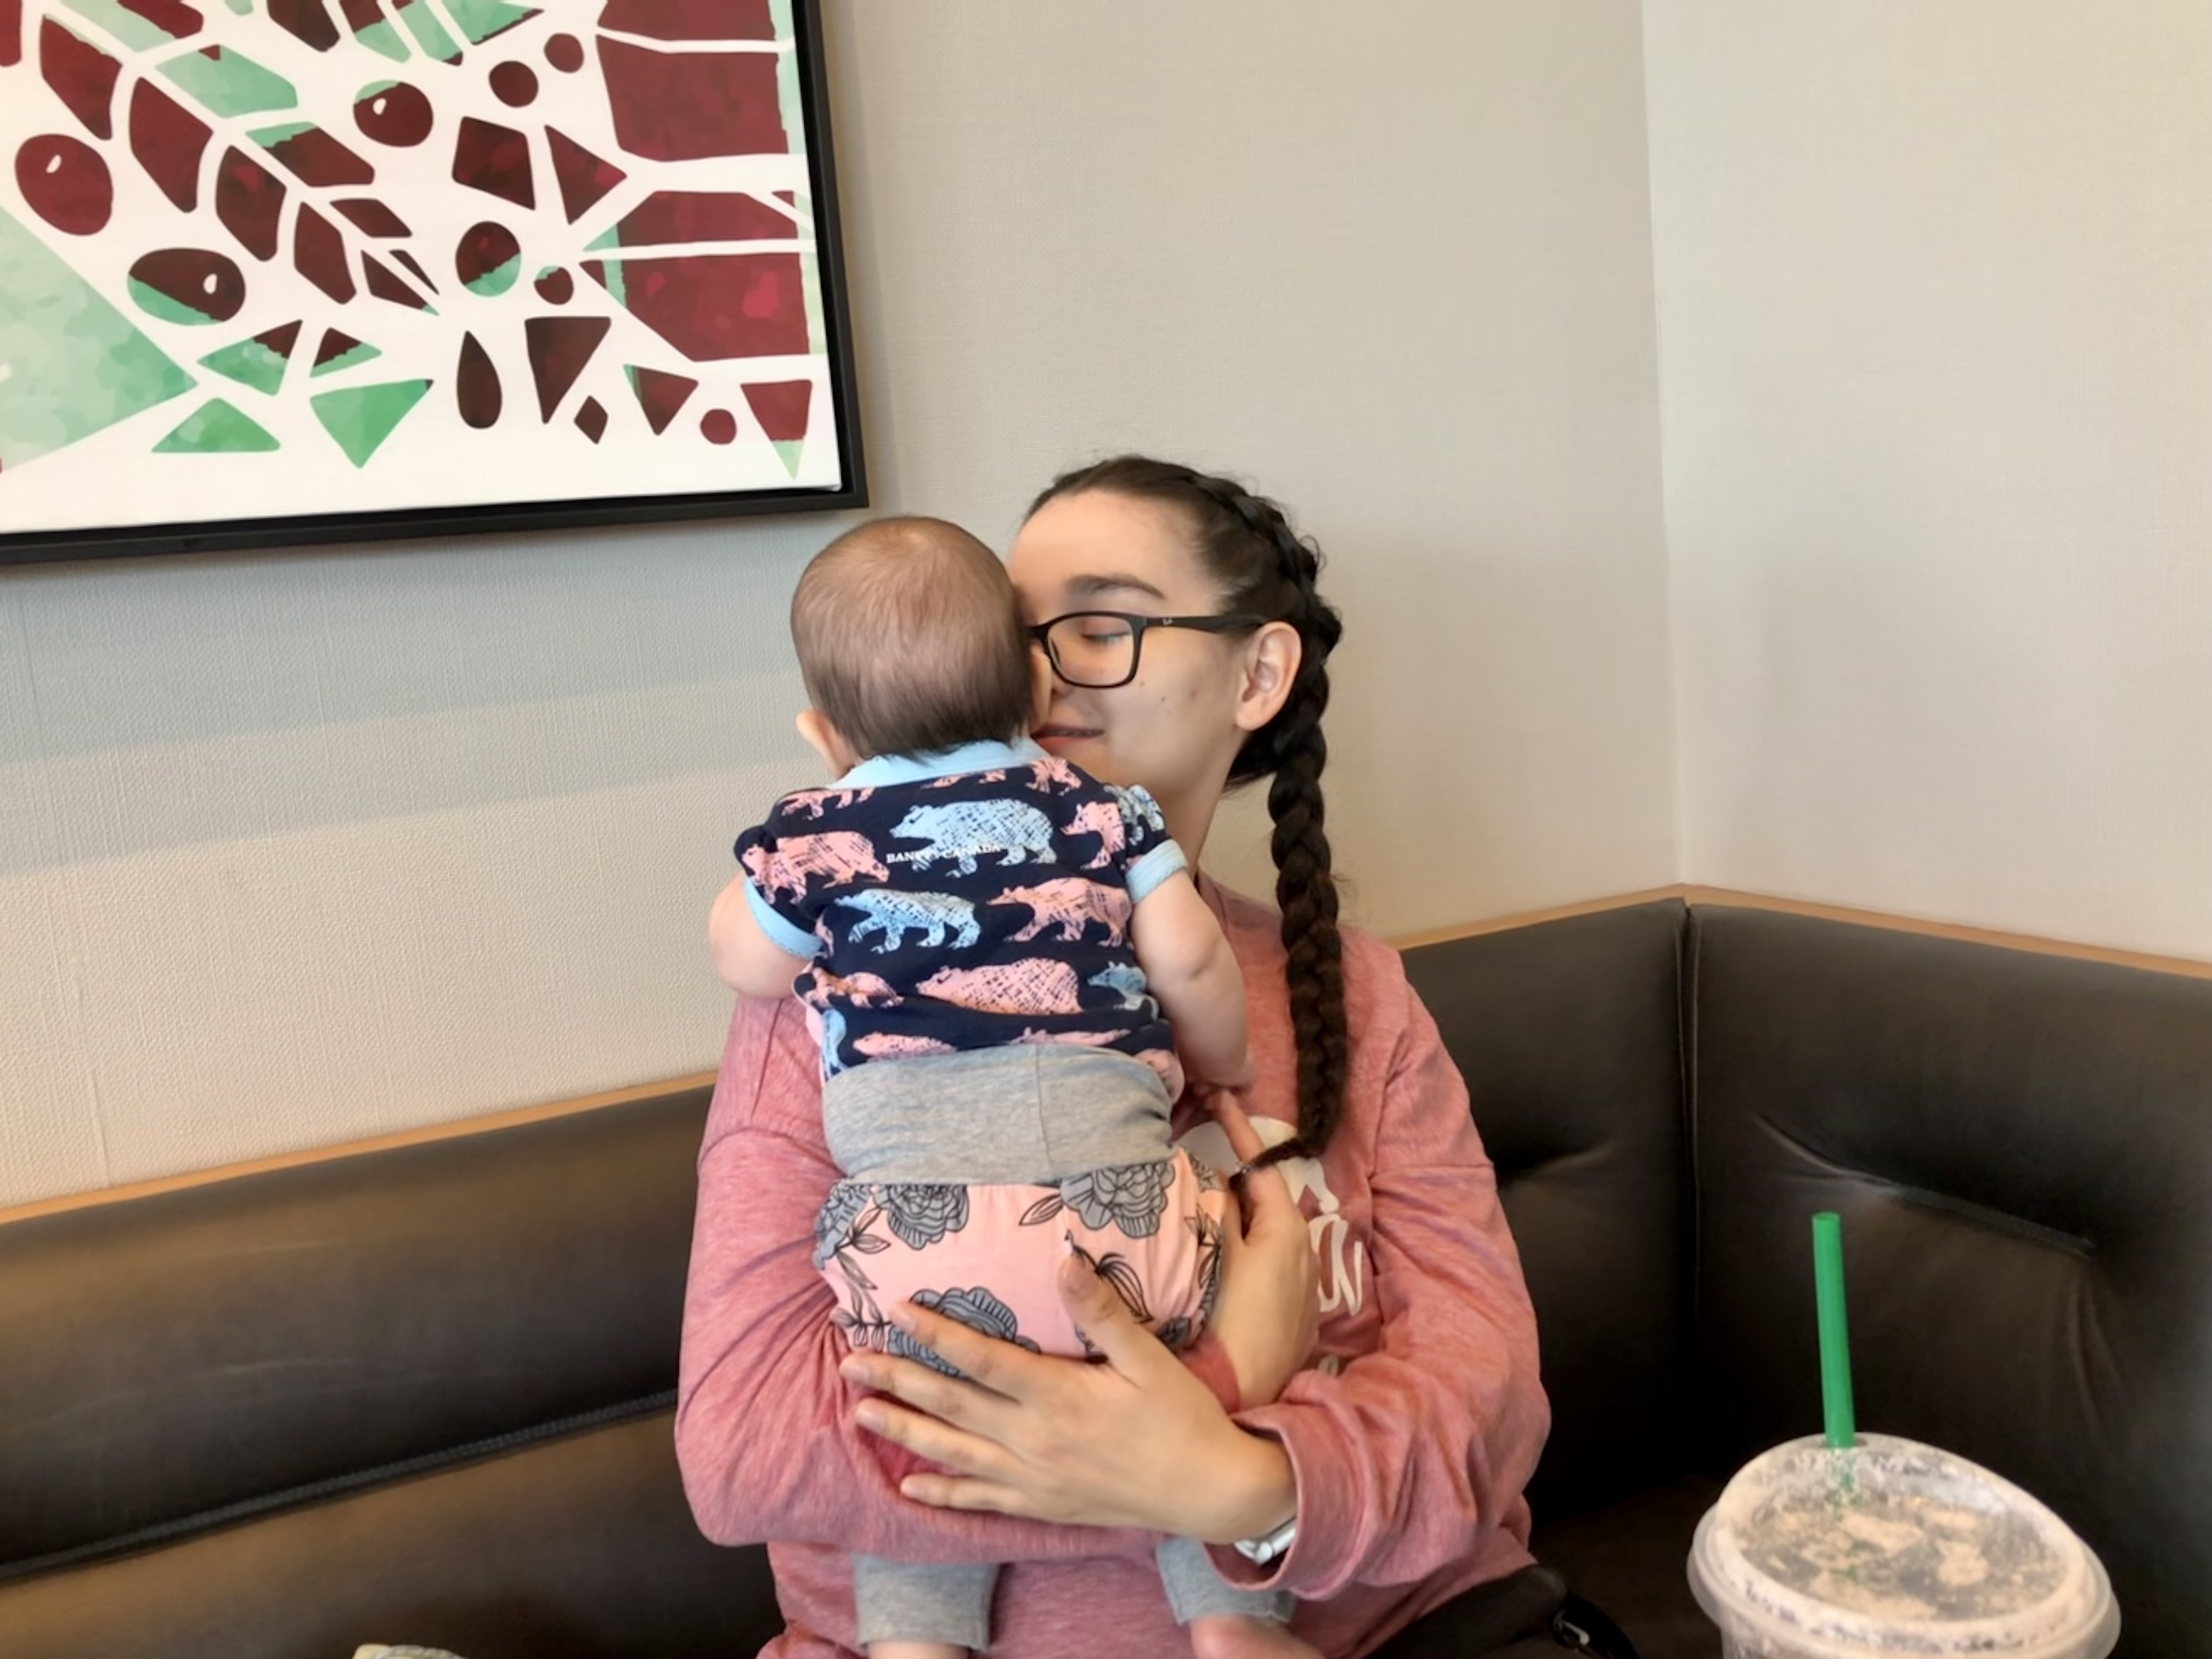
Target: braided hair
[(1266, 568)]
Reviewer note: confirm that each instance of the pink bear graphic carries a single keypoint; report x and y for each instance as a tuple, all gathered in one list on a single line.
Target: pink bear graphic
[(886, 1045), (1033, 986), (1101, 818), (1054, 776), (814, 802), (839, 855), (862, 990), (1067, 903)]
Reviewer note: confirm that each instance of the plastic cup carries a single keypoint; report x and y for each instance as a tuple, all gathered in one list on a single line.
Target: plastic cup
[(1892, 1547)]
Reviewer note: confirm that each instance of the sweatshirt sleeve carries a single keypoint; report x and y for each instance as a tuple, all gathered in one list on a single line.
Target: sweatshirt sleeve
[(1413, 1458), (764, 1434)]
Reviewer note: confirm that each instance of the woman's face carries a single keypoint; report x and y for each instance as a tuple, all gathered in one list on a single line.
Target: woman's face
[(1177, 728)]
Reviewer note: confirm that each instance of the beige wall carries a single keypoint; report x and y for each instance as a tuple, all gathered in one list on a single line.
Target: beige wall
[(299, 849), (1935, 295)]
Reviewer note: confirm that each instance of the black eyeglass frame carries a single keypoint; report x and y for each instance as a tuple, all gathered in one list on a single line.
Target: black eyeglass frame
[(1041, 633)]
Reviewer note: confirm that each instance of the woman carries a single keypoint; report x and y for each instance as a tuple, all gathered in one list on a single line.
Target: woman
[(1379, 1484)]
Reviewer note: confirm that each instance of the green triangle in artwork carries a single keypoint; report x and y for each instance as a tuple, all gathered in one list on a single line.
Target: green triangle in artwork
[(216, 428), (252, 364), (430, 33), (482, 19), (76, 364), (361, 418), (789, 448)]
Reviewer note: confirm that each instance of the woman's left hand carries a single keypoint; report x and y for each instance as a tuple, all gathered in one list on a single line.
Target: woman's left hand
[(1136, 1441)]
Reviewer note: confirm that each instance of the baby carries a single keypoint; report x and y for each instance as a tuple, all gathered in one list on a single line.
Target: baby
[(992, 946)]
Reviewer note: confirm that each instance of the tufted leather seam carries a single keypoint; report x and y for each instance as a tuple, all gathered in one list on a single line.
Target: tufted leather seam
[(1985, 1216), (339, 1486)]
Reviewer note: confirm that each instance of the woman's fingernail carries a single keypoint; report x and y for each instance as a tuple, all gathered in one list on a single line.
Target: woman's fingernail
[(901, 1315), (852, 1369), (869, 1416)]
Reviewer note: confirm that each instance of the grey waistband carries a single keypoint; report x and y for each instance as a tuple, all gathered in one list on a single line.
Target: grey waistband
[(1033, 1112)]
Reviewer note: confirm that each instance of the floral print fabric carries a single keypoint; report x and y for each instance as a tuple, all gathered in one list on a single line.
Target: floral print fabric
[(989, 1255)]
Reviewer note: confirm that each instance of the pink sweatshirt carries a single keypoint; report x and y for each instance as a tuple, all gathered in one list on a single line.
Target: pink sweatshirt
[(1411, 1439)]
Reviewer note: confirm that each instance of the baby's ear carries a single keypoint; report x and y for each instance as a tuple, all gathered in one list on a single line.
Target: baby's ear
[(824, 739)]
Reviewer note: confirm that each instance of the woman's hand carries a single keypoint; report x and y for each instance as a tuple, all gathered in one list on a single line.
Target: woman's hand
[(1136, 1441), (1267, 1314)]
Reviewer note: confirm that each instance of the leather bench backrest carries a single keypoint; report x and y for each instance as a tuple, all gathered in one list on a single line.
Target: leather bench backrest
[(387, 1384), (2020, 1147), (1569, 1034)]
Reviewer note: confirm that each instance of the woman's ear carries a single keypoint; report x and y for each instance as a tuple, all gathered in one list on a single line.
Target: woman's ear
[(1271, 657), (824, 738)]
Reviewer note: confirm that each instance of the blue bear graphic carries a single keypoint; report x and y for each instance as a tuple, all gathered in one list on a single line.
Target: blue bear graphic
[(939, 917), (964, 831)]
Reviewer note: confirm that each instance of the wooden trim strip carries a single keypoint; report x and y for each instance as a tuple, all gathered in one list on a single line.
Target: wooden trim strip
[(2189, 967), (427, 1132), (1530, 918)]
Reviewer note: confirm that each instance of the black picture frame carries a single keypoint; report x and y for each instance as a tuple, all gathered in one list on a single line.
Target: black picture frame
[(301, 531)]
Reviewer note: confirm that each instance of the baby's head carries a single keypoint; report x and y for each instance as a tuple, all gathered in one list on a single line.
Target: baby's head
[(910, 641)]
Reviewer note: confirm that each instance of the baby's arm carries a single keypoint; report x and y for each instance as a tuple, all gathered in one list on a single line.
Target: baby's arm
[(750, 962), (1189, 967)]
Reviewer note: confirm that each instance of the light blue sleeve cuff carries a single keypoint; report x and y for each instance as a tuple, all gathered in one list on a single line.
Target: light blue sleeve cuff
[(1150, 871), (781, 932)]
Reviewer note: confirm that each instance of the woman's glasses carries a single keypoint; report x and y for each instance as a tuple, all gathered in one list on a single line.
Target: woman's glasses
[(1099, 650)]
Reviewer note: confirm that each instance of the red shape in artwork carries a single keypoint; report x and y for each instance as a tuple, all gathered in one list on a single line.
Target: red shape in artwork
[(712, 306), (718, 426), (385, 284), (695, 216), (559, 348), (494, 159), (81, 76), (334, 346), (483, 249), (280, 340), (475, 385), (249, 202), (680, 107), (398, 115), (315, 158), (306, 20), (781, 407), (564, 52), (168, 141), (583, 178), (591, 419), (207, 283), (661, 395), (362, 14), (414, 268), (172, 17), (319, 252), (372, 218), (691, 19), (556, 287), (514, 84), (66, 183), (11, 36)]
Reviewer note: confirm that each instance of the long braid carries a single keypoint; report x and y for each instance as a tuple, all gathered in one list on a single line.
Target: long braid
[(1270, 570)]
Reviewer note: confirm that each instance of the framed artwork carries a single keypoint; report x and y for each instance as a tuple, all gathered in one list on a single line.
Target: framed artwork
[(282, 271)]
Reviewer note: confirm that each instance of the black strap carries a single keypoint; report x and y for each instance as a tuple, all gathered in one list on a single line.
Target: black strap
[(1585, 1627)]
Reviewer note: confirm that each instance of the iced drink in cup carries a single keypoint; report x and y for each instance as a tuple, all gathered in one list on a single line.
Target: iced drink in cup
[(1890, 1546)]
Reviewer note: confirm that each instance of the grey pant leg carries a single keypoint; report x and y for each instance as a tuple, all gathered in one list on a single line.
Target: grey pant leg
[(1195, 1590), (900, 1602)]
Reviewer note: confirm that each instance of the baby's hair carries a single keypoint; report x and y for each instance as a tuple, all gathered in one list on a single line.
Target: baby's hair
[(910, 641)]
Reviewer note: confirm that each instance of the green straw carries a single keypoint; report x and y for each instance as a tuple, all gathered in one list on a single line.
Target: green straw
[(1835, 1331)]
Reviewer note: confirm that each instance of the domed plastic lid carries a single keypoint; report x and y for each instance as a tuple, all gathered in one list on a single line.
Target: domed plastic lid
[(1894, 1547)]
